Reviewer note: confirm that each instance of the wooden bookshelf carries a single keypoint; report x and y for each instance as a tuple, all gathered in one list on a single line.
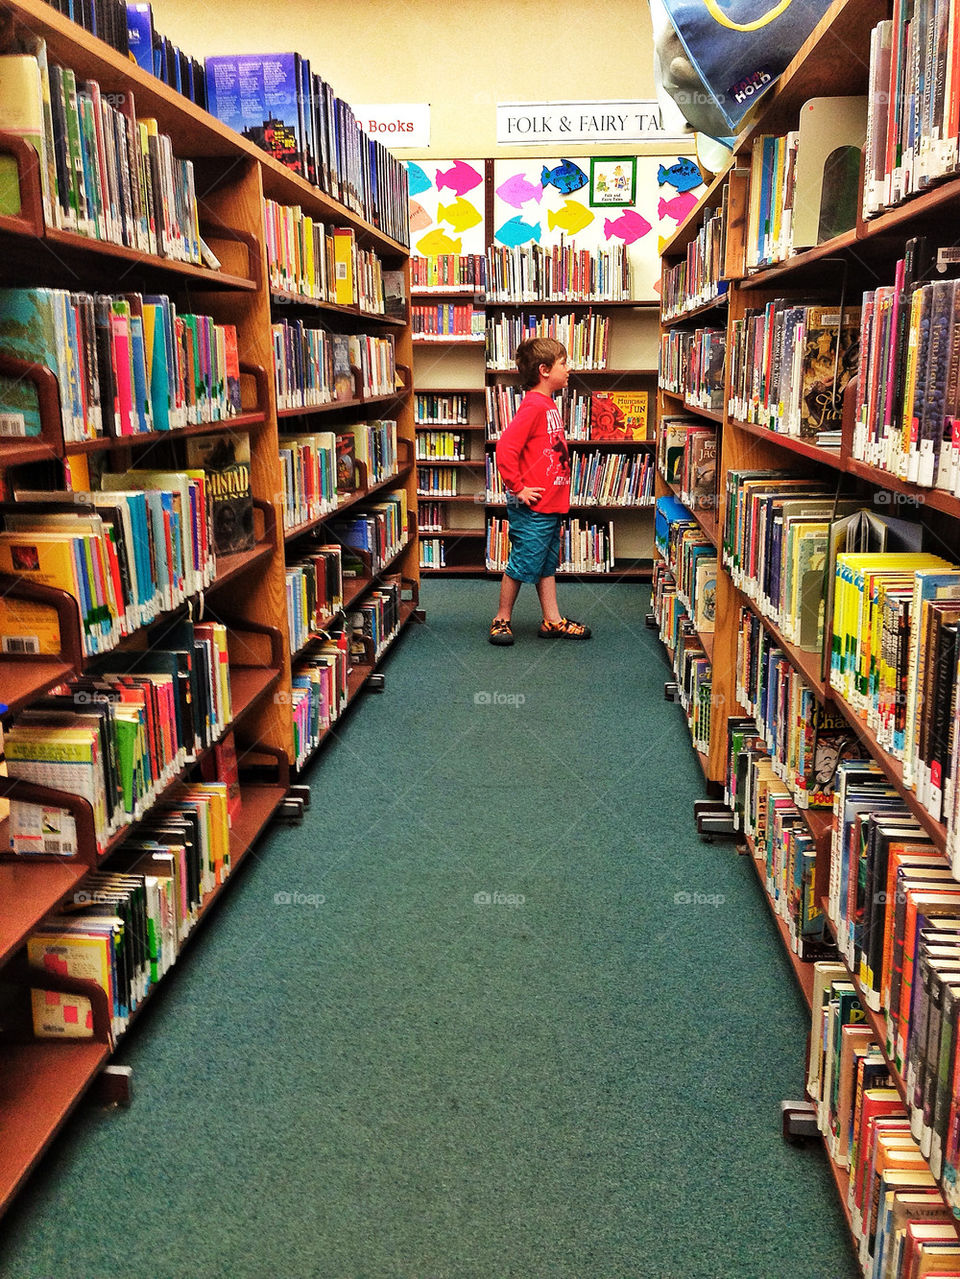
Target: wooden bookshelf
[(41, 1082), (834, 60)]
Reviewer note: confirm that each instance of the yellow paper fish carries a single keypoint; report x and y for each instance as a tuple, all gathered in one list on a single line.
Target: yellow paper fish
[(662, 242), (573, 217), (461, 214), (438, 242)]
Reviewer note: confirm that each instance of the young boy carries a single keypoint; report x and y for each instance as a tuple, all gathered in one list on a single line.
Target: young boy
[(535, 464)]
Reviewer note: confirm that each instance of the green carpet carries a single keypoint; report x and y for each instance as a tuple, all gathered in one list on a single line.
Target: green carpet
[(402, 1083)]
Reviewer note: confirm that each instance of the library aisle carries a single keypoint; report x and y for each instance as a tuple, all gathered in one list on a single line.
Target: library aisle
[(493, 1010)]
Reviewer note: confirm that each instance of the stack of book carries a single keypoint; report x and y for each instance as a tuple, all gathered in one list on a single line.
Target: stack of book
[(441, 321), (319, 694), (125, 364), (119, 737), (441, 408), (585, 338), (448, 272), (124, 928), (563, 273), (276, 102), (789, 366), (432, 553), (692, 366), (698, 279)]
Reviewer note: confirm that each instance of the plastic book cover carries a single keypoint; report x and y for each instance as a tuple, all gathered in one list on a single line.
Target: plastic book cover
[(259, 95), (226, 461), (618, 415)]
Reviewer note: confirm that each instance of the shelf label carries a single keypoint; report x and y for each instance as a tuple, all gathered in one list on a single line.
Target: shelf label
[(396, 124), (565, 122)]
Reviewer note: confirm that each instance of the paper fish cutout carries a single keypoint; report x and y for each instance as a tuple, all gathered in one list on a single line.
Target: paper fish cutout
[(517, 191), (516, 232), (662, 243), (684, 175), (438, 242), (566, 177), (461, 214), (460, 178), (677, 208), (420, 219), (417, 179), (573, 217), (628, 227)]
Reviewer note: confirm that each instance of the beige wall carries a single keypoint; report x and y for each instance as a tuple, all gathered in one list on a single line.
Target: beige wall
[(461, 56)]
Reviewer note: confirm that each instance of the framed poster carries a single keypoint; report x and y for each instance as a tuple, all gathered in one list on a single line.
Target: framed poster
[(613, 180)]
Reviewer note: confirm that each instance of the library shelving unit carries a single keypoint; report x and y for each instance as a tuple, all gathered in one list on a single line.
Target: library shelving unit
[(833, 61), (42, 1081), (459, 368)]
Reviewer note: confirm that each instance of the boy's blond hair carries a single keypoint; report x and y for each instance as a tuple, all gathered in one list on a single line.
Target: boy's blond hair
[(534, 352)]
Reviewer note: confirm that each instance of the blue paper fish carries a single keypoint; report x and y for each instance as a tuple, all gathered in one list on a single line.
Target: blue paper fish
[(516, 232), (566, 177), (684, 175), (417, 178)]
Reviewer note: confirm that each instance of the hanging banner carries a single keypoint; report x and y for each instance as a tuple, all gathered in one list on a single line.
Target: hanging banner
[(566, 122), (738, 50)]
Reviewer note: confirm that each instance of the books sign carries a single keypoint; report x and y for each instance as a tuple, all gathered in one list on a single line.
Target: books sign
[(560, 122), (396, 124)]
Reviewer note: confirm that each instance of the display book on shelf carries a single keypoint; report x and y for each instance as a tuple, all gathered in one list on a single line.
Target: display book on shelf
[(610, 430), (203, 723), (835, 644)]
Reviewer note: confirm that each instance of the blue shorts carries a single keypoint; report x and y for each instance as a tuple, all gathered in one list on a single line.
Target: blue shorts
[(534, 542)]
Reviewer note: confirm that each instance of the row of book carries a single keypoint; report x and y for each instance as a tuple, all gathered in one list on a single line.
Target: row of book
[(463, 272), (125, 364), (586, 338), (692, 366), (601, 415), (118, 737), (690, 559), (309, 473), (441, 408), (319, 694), (433, 552), (148, 47), (142, 545), (687, 457), (806, 739), (767, 812), (686, 654), (913, 117), (431, 517), (698, 280), (611, 479), (908, 386), (439, 481), (441, 320), (561, 273), (124, 928), (789, 364), (586, 546), (309, 259), (104, 173), (314, 367), (454, 445), (894, 659), (376, 621), (314, 592), (375, 534), (279, 104), (902, 1220)]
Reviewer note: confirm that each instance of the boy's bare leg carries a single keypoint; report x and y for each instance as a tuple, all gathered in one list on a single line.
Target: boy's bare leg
[(509, 590), (547, 591)]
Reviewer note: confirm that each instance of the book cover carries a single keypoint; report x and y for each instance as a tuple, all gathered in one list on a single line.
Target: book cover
[(830, 357), (259, 95), (226, 461), (618, 415), (346, 464)]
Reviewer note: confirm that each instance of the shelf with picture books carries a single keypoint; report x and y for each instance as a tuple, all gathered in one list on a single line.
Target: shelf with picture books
[(146, 627)]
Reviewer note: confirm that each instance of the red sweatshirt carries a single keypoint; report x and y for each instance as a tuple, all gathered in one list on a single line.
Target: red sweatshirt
[(532, 453)]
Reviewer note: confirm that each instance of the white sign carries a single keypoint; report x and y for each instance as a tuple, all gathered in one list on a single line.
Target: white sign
[(560, 122), (396, 124)]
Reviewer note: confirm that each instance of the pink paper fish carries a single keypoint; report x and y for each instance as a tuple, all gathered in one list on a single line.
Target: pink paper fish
[(460, 178), (678, 207), (420, 219), (517, 191), (628, 227)]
